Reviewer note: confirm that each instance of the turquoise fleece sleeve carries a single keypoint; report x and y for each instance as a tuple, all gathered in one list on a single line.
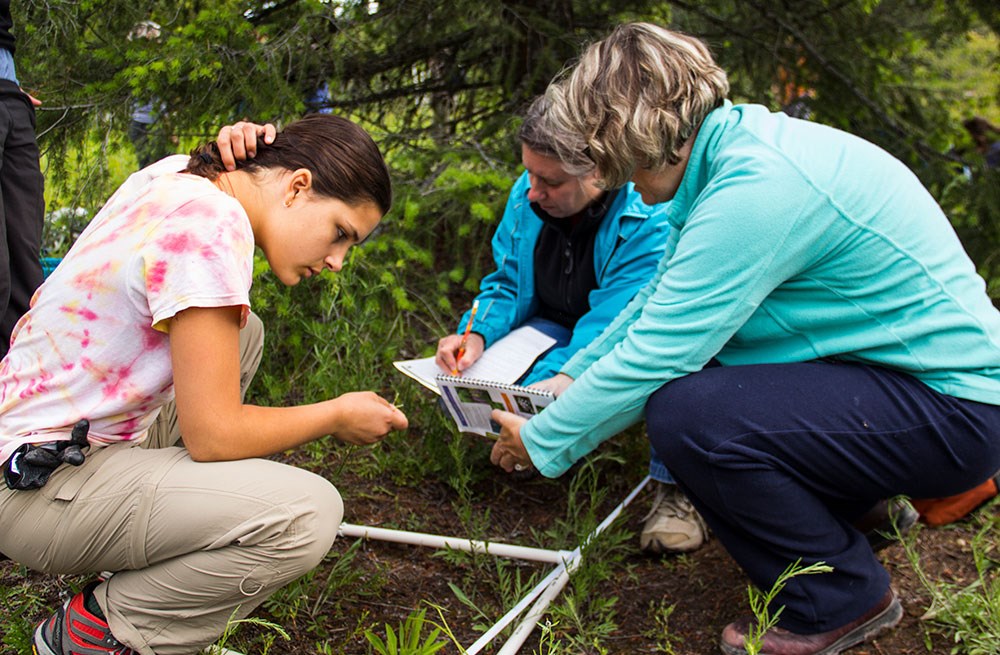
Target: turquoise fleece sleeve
[(724, 266)]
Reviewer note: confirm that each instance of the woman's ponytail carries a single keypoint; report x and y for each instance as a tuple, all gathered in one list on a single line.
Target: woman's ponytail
[(206, 162)]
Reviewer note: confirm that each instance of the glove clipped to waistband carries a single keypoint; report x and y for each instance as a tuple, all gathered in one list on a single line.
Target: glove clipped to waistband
[(31, 465)]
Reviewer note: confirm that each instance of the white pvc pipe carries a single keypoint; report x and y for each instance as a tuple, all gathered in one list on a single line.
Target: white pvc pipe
[(467, 545), (542, 594), (531, 619), (534, 615), (514, 612)]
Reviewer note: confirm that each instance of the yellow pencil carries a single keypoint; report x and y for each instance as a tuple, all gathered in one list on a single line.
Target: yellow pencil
[(465, 337)]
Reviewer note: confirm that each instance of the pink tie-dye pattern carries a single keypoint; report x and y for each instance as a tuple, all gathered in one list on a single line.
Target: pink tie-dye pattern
[(82, 312), (92, 281), (156, 275), (178, 243), (36, 386), (207, 251), (116, 383), (151, 250), (129, 428), (152, 339)]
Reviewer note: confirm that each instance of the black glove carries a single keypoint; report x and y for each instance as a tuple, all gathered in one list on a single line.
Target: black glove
[(31, 465)]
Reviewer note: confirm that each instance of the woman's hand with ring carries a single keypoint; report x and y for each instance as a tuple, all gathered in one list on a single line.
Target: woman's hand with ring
[(509, 452)]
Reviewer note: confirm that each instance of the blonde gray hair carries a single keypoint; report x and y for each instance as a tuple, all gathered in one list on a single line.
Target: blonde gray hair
[(554, 140), (636, 97)]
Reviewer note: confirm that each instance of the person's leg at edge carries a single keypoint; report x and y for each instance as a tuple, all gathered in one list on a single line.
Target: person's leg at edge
[(23, 207), (780, 459), (193, 544)]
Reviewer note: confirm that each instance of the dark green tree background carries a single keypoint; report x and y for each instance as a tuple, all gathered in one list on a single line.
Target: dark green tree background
[(439, 86), (439, 83)]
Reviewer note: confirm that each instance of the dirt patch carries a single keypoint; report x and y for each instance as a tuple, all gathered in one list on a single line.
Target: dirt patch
[(375, 583), (707, 588)]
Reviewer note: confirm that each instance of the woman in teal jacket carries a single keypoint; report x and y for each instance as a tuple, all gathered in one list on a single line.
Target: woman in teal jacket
[(818, 340), (570, 256), (628, 244)]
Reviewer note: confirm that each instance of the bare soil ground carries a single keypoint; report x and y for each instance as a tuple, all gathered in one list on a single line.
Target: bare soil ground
[(388, 581), (707, 587)]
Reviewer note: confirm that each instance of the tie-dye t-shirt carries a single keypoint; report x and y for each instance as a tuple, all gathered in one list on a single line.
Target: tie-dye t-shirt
[(94, 344)]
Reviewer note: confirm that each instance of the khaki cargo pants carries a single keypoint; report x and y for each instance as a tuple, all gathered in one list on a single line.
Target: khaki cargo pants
[(191, 544)]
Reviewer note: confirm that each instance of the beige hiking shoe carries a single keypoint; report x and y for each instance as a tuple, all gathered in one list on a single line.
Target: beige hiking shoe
[(673, 525)]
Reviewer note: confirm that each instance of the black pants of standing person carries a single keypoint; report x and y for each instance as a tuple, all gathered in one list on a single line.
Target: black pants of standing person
[(22, 205), (780, 459)]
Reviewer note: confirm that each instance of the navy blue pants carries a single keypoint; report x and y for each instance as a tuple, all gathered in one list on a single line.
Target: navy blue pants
[(781, 458)]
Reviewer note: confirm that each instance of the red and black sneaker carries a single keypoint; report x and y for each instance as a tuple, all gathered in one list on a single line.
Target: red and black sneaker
[(73, 630)]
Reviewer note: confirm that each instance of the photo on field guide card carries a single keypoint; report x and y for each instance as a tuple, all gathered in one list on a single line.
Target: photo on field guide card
[(471, 402)]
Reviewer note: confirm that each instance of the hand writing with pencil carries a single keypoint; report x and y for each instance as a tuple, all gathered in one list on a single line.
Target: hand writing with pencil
[(457, 352)]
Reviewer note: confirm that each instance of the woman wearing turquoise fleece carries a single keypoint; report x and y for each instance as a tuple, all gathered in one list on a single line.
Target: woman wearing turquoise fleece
[(818, 340), (569, 256)]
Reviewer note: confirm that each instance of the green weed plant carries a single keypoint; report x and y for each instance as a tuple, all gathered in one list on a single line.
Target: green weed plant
[(315, 596), (21, 603), (667, 642), (408, 638), (511, 585), (765, 617), (584, 612), (272, 632), (967, 615)]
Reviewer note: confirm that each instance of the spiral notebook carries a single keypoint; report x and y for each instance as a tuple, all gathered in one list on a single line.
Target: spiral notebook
[(470, 401), (505, 361)]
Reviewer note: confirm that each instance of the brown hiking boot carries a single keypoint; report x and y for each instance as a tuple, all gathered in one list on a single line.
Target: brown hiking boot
[(778, 641)]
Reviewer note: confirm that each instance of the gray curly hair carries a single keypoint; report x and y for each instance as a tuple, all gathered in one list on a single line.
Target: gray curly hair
[(635, 98)]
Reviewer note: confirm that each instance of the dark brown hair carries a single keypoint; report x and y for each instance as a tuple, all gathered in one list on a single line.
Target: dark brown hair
[(344, 161)]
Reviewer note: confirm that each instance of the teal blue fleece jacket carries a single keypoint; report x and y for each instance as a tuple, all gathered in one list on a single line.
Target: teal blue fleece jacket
[(630, 241), (797, 241)]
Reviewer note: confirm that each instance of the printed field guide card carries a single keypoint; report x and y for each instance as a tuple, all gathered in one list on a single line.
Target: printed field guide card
[(470, 401)]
